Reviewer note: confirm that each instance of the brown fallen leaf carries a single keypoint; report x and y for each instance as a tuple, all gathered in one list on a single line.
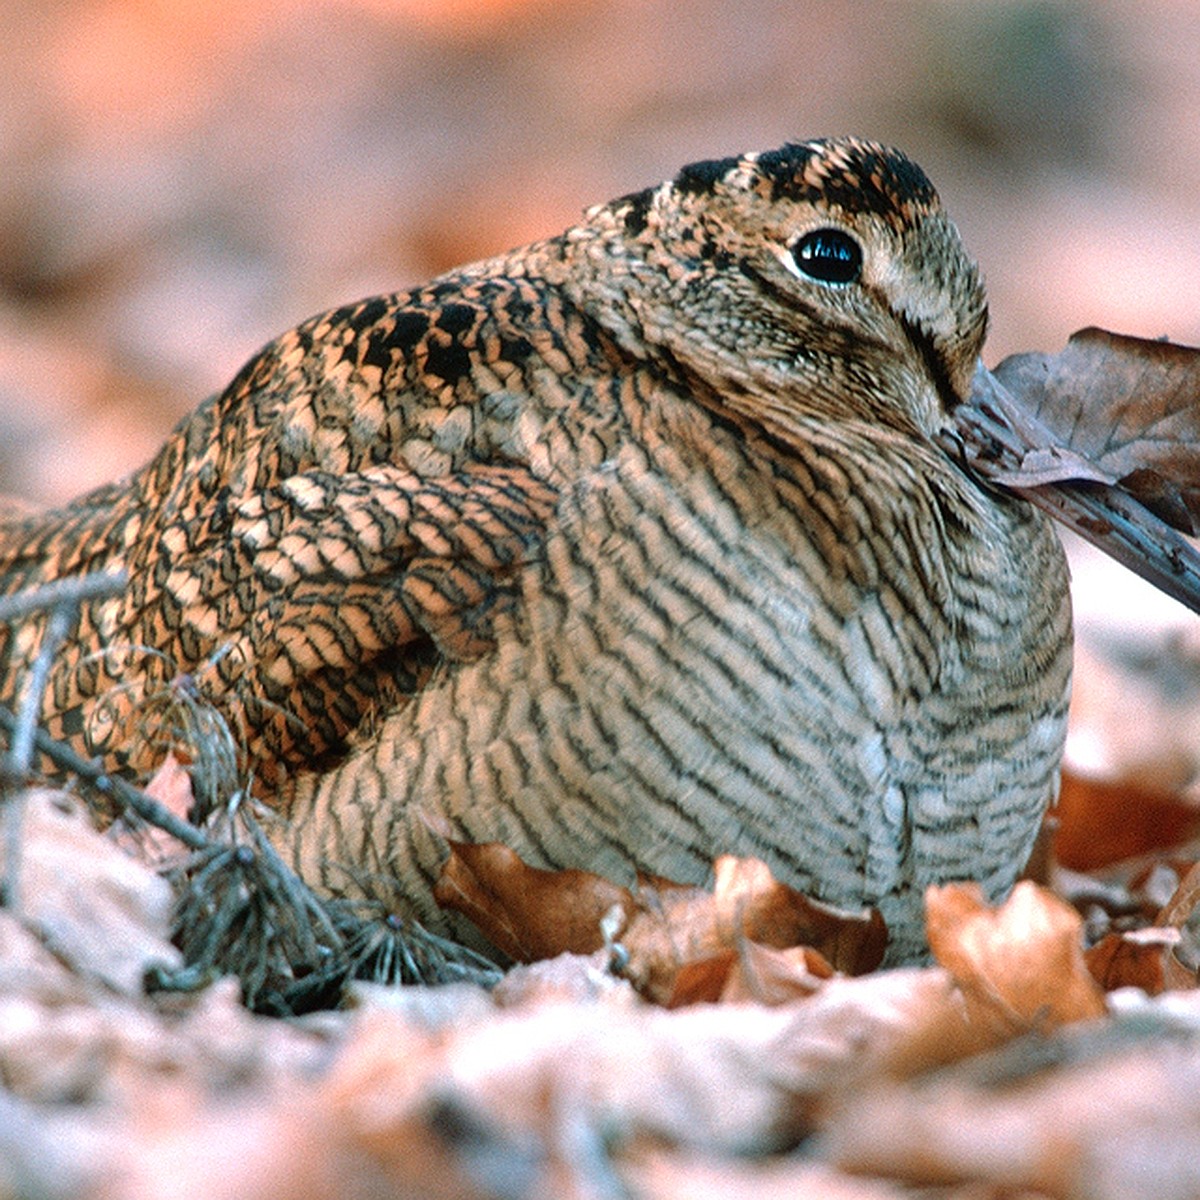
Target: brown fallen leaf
[(655, 1174), (1108, 1110), (747, 897), (1182, 904), (680, 943), (1181, 915), (674, 982), (1106, 821), (1020, 964), (524, 911), (286, 1144), (578, 1083), (99, 1049), (581, 979), (1138, 958), (1017, 968), (170, 786), (570, 1077), (1129, 407), (104, 914), (769, 976), (683, 943)]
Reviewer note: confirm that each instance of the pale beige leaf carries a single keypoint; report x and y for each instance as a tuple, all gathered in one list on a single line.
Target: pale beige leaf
[(1022, 961), (102, 912)]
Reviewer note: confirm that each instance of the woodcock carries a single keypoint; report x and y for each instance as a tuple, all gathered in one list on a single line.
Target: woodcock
[(627, 549)]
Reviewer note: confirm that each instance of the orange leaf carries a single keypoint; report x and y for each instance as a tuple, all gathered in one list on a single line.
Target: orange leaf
[(1022, 962), (1102, 822), (524, 911), (1136, 959), (696, 981), (769, 976), (677, 929), (748, 896), (681, 942)]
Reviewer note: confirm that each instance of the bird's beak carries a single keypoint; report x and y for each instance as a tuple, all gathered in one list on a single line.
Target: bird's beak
[(1128, 531), (1001, 443)]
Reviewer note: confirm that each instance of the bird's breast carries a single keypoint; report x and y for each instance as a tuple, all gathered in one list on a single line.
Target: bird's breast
[(717, 658)]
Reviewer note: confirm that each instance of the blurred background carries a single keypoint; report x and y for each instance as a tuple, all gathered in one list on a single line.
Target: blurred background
[(182, 180)]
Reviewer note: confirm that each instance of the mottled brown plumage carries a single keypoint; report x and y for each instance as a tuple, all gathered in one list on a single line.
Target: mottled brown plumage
[(627, 548)]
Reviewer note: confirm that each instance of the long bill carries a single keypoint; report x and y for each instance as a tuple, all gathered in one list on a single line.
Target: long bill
[(1127, 531)]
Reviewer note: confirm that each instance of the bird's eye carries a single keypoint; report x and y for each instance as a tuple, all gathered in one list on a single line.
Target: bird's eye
[(828, 256)]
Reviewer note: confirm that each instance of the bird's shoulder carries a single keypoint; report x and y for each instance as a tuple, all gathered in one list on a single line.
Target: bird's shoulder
[(464, 370)]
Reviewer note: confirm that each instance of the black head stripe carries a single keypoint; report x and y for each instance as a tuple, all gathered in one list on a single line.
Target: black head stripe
[(846, 173), (855, 176), (699, 178)]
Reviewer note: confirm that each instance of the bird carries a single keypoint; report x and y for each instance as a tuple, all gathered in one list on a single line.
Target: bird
[(628, 548)]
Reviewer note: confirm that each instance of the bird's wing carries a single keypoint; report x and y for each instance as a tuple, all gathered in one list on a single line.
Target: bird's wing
[(348, 514), (310, 604)]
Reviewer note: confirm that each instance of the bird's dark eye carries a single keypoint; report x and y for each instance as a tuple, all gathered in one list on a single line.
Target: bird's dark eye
[(829, 256)]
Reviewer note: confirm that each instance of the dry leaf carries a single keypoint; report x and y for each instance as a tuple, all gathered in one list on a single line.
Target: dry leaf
[(1102, 822), (577, 978), (1103, 437), (171, 786), (747, 898), (674, 982), (581, 1078), (680, 942), (99, 910), (706, 1076), (103, 1050), (1138, 958), (769, 976), (285, 1144), (1097, 1111), (1183, 902), (1021, 963), (656, 1174), (30, 972), (526, 912), (1128, 407), (1182, 914), (684, 942)]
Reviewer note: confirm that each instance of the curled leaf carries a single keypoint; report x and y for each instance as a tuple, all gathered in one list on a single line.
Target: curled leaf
[(1140, 958), (526, 912), (1021, 962), (1127, 406), (685, 944), (1104, 436), (679, 943)]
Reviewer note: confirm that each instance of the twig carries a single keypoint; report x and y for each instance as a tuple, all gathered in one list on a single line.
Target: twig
[(63, 598), (20, 751), (124, 793), (239, 908), (72, 591)]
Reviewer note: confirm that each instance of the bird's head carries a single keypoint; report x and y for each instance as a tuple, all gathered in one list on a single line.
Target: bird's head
[(821, 278)]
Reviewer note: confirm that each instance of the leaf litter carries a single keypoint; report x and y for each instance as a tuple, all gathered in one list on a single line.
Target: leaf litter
[(658, 1041)]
